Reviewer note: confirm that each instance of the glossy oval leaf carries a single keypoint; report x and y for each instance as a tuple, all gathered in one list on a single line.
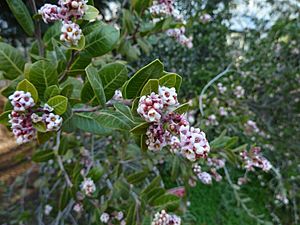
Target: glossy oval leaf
[(171, 80), (154, 70), (59, 103), (151, 86), (12, 61), (42, 74), (26, 86), (22, 15), (96, 83)]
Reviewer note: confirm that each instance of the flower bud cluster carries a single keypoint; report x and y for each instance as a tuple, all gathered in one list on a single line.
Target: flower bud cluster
[(206, 177), (113, 217), (67, 12), (253, 158), (163, 218), (239, 92), (179, 35), (162, 8), (251, 127), (23, 117), (169, 128), (88, 186)]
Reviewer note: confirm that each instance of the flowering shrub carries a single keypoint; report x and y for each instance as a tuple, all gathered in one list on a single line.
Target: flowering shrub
[(104, 129)]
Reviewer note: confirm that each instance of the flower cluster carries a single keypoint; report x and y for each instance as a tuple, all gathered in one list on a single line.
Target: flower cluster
[(239, 92), (179, 35), (88, 186), (206, 177), (67, 11), (162, 8), (114, 217), (23, 117), (169, 128), (163, 218), (221, 88), (253, 158), (251, 127)]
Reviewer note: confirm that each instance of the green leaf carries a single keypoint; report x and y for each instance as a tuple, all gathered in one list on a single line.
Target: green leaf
[(128, 21), (113, 76), (96, 173), (91, 13), (113, 120), (42, 75), (168, 202), (43, 155), (87, 94), (101, 40), (26, 86), (59, 103), (63, 145), (27, 68), (12, 61), (4, 118), (40, 127), (125, 111), (131, 214), (136, 83), (53, 32), (43, 137), (51, 92), (67, 90), (154, 183), (138, 177), (140, 129), (96, 84), (171, 80), (182, 108), (22, 15), (151, 86), (87, 122), (140, 5), (65, 197)]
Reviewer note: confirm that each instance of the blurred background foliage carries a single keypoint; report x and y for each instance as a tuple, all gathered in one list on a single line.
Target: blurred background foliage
[(260, 41)]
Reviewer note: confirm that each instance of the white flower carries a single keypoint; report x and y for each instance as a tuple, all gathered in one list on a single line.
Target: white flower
[(221, 88), (163, 218), (120, 216), (47, 108), (21, 101), (205, 177), (168, 96), (73, 8), (50, 13), (36, 118), (78, 207), (223, 111), (150, 107), (239, 92), (88, 186), (118, 95), (48, 209), (71, 33), (53, 122), (104, 218)]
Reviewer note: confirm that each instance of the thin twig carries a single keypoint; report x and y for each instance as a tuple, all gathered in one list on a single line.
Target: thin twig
[(239, 200), (38, 31), (69, 64), (96, 108), (208, 85), (59, 160)]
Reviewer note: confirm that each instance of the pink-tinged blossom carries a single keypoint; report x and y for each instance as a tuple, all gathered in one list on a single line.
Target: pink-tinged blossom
[(22, 127), (53, 122), (179, 35), (78, 207), (150, 107), (21, 101), (88, 186), (155, 137), (168, 96), (221, 88), (163, 218), (205, 177), (253, 158), (70, 33), (251, 127), (73, 8), (104, 218), (50, 13)]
